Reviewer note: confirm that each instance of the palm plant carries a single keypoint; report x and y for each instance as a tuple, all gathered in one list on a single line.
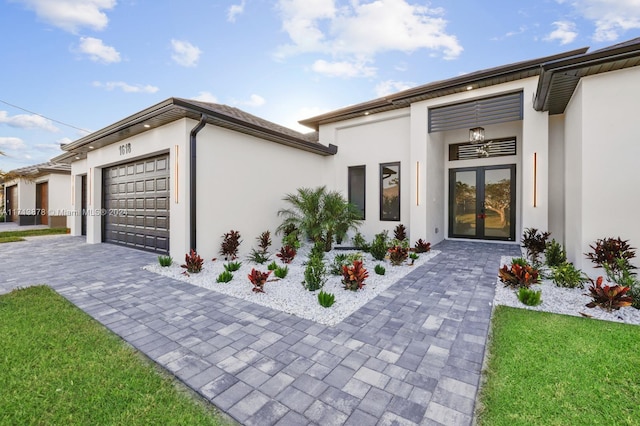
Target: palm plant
[(303, 212), (319, 214)]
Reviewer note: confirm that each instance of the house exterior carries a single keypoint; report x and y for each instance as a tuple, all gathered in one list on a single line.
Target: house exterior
[(40, 195), (553, 149)]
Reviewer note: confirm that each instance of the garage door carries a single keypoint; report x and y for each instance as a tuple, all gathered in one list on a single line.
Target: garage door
[(136, 196)]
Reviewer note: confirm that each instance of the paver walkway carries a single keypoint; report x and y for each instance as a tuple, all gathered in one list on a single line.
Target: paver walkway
[(412, 356)]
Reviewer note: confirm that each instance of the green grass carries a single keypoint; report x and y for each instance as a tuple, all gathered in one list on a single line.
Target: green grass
[(548, 369), (59, 366), (10, 239), (15, 236)]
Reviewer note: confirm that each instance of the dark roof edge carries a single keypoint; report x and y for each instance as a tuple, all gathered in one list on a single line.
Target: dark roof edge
[(406, 96), (289, 140), (159, 108), (597, 57)]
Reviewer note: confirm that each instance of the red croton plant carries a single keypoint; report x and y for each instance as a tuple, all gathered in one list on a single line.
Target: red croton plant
[(609, 297), (258, 279), (518, 275), (353, 276)]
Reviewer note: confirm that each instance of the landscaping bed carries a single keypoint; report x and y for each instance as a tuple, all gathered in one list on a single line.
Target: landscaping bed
[(289, 294)]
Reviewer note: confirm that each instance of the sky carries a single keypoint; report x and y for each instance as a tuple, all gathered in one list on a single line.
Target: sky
[(70, 67)]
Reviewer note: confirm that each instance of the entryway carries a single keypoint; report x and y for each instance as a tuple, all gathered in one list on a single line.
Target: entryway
[(482, 202)]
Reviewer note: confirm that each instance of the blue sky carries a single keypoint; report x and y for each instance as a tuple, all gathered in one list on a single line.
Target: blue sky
[(90, 63)]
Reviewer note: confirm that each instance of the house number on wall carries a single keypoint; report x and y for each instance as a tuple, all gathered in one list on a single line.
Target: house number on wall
[(125, 149)]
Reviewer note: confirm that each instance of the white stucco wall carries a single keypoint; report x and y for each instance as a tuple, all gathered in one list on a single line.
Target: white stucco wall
[(241, 183), (556, 177), (370, 141), (602, 148), (172, 138)]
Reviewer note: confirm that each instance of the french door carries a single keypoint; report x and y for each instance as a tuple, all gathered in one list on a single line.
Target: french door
[(482, 202)]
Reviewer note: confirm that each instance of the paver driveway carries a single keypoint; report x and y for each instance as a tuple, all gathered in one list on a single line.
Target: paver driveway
[(411, 356)]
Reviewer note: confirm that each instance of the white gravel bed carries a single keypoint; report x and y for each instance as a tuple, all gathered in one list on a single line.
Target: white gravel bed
[(288, 294), (560, 300)]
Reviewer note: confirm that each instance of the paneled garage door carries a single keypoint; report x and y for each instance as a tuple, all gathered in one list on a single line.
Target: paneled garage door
[(136, 196)]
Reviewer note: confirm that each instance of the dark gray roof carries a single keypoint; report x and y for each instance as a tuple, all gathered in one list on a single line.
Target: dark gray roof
[(559, 78), (42, 169), (177, 108)]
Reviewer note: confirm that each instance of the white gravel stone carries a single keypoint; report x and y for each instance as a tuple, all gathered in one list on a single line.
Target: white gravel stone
[(289, 295), (560, 300)]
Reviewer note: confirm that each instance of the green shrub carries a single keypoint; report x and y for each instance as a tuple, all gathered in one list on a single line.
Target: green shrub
[(379, 246), (232, 266), (521, 261), (272, 266), (315, 272), (529, 297), (165, 261), (555, 255), (224, 277), (326, 300), (258, 256), (281, 271), (379, 269), (566, 275), (360, 243)]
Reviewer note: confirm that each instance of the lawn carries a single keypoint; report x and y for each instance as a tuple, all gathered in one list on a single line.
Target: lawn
[(14, 236), (550, 369), (59, 366)]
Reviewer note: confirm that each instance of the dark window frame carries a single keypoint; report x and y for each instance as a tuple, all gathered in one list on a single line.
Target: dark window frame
[(381, 194), (364, 188)]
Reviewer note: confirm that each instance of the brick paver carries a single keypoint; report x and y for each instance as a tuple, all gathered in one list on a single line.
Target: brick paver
[(412, 356)]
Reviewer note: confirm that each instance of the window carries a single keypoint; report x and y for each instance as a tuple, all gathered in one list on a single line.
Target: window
[(490, 148), (390, 191), (357, 188)]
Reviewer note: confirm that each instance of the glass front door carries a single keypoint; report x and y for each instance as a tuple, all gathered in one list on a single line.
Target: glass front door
[(482, 203)]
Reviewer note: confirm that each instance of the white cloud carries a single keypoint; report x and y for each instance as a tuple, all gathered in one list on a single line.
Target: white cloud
[(388, 87), (343, 69), (362, 30), (48, 146), (126, 87), (27, 121), (71, 15), (11, 144), (565, 32), (234, 10), (98, 51), (206, 97), (611, 17), (253, 101), (185, 53), (303, 113)]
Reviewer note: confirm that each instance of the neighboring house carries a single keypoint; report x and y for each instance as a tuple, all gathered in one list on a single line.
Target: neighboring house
[(41, 195), (554, 148)]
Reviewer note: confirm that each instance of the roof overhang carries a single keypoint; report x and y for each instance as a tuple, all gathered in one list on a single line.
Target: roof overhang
[(174, 109), (463, 83), (559, 78)]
